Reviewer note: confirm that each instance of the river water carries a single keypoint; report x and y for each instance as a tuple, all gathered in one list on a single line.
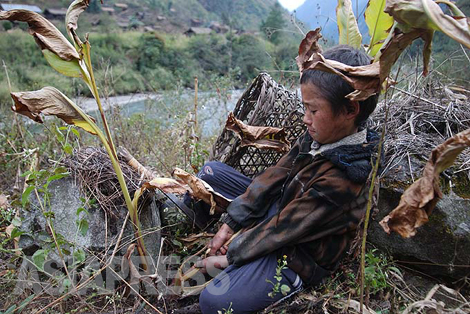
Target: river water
[(171, 106)]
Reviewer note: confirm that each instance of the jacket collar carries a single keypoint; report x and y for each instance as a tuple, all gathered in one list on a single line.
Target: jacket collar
[(357, 138), (354, 159)]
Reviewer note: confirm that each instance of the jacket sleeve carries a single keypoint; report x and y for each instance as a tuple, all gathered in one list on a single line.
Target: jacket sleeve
[(260, 194), (315, 212)]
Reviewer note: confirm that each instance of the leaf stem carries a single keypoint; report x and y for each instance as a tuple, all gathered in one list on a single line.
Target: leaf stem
[(95, 93), (111, 149), (120, 176), (369, 205)]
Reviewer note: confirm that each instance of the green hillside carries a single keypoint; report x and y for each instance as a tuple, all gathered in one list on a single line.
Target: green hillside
[(177, 15), (143, 47)]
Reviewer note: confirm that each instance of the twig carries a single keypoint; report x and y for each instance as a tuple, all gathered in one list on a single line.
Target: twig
[(460, 170), (195, 103), (464, 52), (136, 292), (409, 164), (105, 229), (15, 117), (294, 21), (92, 277), (159, 254), (417, 97)]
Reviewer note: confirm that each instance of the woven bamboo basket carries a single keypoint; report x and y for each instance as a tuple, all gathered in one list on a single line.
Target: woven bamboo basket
[(264, 103)]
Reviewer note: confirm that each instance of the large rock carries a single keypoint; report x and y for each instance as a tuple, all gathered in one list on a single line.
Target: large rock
[(103, 229), (440, 248)]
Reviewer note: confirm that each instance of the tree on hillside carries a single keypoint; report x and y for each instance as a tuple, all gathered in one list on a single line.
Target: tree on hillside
[(151, 49), (211, 51), (274, 24), (248, 53), (94, 7)]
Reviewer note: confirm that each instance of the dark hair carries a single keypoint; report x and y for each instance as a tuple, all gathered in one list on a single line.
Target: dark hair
[(334, 88)]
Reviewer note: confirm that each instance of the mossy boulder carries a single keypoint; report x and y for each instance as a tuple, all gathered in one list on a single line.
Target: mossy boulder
[(102, 229), (441, 247)]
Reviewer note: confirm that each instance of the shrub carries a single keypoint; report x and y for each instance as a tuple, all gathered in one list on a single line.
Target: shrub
[(211, 52), (249, 54), (151, 51), (7, 25)]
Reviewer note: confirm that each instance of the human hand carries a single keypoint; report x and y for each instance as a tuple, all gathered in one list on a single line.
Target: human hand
[(212, 264), (216, 245)]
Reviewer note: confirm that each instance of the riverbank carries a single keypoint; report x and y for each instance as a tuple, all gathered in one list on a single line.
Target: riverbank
[(89, 104)]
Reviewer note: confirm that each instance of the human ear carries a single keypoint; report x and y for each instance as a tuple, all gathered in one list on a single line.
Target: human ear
[(352, 110)]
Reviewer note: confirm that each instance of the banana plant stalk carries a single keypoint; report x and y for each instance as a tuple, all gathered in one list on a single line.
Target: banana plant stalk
[(86, 48)]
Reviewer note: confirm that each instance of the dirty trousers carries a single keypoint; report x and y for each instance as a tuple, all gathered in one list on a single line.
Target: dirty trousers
[(244, 289)]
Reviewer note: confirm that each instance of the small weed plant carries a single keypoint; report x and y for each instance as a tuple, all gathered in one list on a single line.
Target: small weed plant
[(277, 286), (229, 310), (377, 272)]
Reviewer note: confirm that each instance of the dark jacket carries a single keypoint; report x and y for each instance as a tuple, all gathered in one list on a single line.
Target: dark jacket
[(320, 204)]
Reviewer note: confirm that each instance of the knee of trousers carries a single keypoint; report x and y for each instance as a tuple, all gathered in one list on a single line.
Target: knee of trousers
[(210, 304), (207, 172)]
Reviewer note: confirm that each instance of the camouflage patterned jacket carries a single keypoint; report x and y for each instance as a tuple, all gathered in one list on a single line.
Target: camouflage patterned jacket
[(320, 203)]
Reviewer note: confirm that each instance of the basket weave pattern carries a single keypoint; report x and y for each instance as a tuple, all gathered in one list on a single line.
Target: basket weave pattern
[(264, 103)]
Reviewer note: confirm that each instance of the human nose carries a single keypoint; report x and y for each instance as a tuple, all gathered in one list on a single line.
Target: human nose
[(307, 119)]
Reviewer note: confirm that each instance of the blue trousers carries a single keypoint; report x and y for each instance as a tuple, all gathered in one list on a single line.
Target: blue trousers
[(244, 289)]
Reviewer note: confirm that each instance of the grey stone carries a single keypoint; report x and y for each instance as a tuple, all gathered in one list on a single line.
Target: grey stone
[(103, 229), (440, 248)]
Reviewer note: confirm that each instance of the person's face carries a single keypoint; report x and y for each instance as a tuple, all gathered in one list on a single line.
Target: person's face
[(324, 126)]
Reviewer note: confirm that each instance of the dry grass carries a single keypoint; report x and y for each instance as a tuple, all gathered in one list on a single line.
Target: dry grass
[(421, 120)]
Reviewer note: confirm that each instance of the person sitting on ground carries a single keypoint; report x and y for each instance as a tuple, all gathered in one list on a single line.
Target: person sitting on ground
[(304, 210)]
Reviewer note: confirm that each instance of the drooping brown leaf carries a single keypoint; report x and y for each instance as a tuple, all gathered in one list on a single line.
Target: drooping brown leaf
[(196, 185), (308, 46), (412, 23), (397, 43), (126, 263), (259, 137), (47, 36), (135, 277), (367, 80), (421, 18), (197, 239), (364, 79), (426, 14), (50, 101), (418, 201), (203, 191), (409, 14), (167, 185), (71, 18)]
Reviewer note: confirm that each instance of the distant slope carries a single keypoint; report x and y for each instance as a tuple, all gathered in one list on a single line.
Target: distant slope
[(247, 14), (320, 13), (244, 14)]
